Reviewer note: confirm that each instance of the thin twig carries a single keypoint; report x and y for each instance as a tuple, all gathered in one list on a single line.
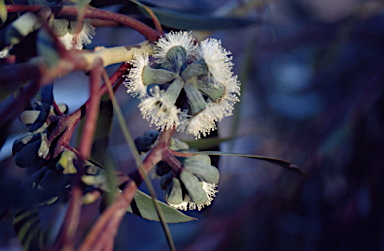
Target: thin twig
[(136, 155), (91, 12)]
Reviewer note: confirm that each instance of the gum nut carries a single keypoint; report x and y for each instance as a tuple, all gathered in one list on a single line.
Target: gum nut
[(166, 180), (200, 158), (63, 108), (29, 155), (207, 173), (65, 163), (177, 144), (30, 116), (20, 143), (174, 192), (163, 168), (194, 188), (49, 179)]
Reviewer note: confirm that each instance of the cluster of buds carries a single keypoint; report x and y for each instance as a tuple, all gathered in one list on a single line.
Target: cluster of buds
[(202, 71), (189, 187), (65, 31), (35, 152)]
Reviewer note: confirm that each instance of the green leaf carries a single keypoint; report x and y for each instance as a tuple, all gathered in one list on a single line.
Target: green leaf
[(188, 21), (283, 163), (103, 129), (3, 11), (28, 229), (142, 205)]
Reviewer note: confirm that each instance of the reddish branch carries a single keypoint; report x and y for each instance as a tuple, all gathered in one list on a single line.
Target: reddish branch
[(110, 220), (91, 12)]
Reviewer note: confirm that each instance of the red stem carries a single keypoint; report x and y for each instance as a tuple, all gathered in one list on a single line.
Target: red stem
[(91, 12), (85, 145), (112, 216)]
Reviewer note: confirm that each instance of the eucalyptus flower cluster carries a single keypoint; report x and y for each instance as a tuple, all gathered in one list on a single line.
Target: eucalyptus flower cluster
[(202, 71), (193, 186)]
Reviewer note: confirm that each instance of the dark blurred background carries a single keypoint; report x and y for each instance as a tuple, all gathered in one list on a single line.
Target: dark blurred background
[(312, 74)]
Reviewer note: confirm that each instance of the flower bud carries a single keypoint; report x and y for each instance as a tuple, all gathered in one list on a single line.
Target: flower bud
[(195, 69), (214, 92), (157, 76), (196, 100), (31, 154), (63, 108), (20, 143), (194, 188), (178, 57), (33, 116), (65, 163), (96, 177), (174, 192), (206, 172)]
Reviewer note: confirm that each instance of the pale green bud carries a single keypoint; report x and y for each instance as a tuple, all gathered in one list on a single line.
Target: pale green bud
[(157, 76), (196, 100), (174, 192), (195, 69), (215, 93), (178, 57), (194, 188)]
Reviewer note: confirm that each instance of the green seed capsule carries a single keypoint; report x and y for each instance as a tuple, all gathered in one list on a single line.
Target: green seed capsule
[(194, 188), (174, 192)]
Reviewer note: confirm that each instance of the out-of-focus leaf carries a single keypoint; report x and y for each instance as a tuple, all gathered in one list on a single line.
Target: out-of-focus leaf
[(46, 47), (28, 229), (81, 2), (3, 11), (280, 162), (20, 197), (188, 21), (142, 205), (193, 21), (206, 143), (103, 129)]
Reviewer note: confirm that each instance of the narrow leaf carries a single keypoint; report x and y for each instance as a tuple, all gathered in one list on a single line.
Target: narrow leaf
[(206, 143), (103, 129), (191, 21), (28, 229), (142, 205), (280, 162)]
